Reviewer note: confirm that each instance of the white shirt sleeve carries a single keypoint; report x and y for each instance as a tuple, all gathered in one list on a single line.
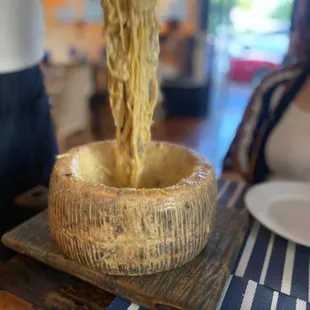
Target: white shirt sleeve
[(21, 34)]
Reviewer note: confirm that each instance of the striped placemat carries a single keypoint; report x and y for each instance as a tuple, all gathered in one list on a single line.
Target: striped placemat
[(240, 293), (275, 262), (267, 258), (230, 194), (245, 294)]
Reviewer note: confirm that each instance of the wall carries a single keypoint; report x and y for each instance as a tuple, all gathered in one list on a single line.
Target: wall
[(59, 37)]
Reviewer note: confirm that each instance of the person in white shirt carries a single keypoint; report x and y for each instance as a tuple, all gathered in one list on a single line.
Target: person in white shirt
[(27, 145)]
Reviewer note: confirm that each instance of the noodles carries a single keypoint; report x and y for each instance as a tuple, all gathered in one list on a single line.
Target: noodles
[(131, 38)]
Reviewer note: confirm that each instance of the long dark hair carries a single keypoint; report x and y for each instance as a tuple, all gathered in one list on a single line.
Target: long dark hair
[(302, 43)]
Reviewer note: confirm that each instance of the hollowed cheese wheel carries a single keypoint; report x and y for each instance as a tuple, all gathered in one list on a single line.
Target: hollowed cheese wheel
[(125, 231)]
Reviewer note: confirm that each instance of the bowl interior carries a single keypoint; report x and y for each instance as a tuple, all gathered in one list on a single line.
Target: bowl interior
[(165, 164)]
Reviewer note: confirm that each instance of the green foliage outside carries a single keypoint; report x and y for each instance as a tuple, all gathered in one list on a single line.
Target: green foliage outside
[(244, 4), (283, 11)]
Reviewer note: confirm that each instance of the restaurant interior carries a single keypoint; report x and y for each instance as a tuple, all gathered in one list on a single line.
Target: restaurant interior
[(223, 50), (200, 109)]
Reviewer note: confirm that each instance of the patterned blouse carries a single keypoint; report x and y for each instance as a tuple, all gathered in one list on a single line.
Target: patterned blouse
[(268, 104)]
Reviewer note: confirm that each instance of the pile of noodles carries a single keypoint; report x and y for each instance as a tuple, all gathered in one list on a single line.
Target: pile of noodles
[(131, 39)]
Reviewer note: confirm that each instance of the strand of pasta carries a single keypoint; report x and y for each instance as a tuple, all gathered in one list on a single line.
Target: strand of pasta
[(131, 38)]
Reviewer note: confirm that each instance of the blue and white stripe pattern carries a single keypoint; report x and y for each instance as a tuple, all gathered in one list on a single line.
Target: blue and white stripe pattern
[(270, 273), (122, 304), (275, 262), (242, 294), (246, 294)]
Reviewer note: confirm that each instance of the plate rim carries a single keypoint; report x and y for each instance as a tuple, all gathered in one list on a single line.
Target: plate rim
[(284, 235)]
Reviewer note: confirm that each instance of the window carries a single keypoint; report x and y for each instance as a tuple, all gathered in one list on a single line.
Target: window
[(92, 11)]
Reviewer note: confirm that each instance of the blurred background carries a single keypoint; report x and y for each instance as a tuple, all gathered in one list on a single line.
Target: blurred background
[(213, 53)]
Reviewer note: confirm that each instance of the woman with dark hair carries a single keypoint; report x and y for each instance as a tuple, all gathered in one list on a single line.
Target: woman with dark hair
[(273, 139)]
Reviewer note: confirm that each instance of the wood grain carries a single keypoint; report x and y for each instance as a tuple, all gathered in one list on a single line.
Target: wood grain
[(49, 289), (11, 302), (196, 285)]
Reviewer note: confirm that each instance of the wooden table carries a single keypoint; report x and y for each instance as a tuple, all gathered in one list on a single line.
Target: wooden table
[(24, 280)]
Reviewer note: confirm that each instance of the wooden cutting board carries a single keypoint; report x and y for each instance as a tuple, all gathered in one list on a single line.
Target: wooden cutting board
[(197, 285)]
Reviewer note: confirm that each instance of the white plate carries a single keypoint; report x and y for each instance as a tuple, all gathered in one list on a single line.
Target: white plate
[(283, 207)]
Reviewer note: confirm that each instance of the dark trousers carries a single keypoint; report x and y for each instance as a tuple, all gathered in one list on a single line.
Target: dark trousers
[(27, 142)]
